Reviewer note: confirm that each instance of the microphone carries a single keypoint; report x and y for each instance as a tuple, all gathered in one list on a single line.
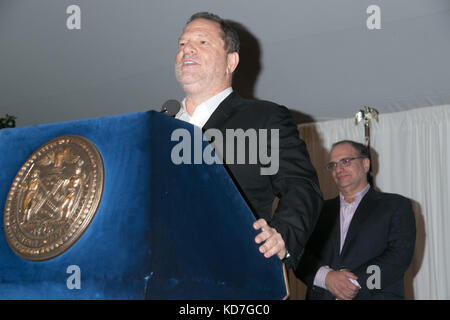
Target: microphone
[(170, 107)]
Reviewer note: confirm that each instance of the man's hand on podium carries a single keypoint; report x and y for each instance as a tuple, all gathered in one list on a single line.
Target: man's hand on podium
[(272, 241)]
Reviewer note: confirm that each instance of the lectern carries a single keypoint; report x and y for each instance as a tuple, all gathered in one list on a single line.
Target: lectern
[(161, 229)]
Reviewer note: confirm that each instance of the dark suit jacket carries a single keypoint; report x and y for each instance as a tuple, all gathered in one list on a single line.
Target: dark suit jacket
[(295, 183), (382, 233)]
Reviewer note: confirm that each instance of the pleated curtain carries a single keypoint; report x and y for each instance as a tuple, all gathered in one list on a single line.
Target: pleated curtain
[(410, 156)]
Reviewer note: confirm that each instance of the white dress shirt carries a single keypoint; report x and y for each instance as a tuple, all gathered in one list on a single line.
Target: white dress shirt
[(204, 110)]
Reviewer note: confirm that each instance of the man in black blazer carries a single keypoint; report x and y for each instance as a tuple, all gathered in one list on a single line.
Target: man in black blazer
[(364, 240), (206, 59)]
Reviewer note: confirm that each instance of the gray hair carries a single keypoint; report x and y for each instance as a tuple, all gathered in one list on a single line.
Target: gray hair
[(229, 35)]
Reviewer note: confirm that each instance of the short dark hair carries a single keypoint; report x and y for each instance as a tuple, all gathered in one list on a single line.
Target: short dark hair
[(362, 150), (229, 35)]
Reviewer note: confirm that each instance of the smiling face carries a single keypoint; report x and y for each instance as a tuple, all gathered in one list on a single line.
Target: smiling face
[(353, 178), (202, 64)]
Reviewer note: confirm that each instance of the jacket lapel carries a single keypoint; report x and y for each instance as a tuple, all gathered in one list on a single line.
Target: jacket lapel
[(335, 231), (364, 210), (225, 109)]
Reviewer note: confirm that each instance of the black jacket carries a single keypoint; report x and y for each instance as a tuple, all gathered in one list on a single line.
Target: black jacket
[(295, 183), (382, 233)]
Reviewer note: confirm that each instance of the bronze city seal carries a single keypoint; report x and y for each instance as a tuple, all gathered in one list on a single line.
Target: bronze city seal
[(53, 198)]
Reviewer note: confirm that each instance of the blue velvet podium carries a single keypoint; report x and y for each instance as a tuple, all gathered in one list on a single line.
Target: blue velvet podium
[(161, 231)]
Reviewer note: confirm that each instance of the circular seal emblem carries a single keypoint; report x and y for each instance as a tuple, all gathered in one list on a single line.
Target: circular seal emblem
[(53, 198)]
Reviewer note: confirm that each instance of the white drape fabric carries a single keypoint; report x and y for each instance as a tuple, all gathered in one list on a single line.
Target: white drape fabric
[(411, 157)]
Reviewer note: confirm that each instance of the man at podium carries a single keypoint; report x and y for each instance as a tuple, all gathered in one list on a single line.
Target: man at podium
[(208, 54)]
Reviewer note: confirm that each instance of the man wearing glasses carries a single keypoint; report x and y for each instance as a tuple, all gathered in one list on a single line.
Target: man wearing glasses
[(364, 239)]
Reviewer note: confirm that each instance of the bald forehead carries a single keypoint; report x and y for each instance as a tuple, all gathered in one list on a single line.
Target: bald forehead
[(343, 150)]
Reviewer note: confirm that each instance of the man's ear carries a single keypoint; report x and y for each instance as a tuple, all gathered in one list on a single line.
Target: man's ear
[(366, 164), (232, 62)]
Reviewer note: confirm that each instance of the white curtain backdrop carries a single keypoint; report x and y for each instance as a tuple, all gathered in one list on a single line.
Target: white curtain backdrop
[(410, 156)]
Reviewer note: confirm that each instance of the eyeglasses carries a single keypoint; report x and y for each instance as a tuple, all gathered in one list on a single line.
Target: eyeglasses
[(343, 163)]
